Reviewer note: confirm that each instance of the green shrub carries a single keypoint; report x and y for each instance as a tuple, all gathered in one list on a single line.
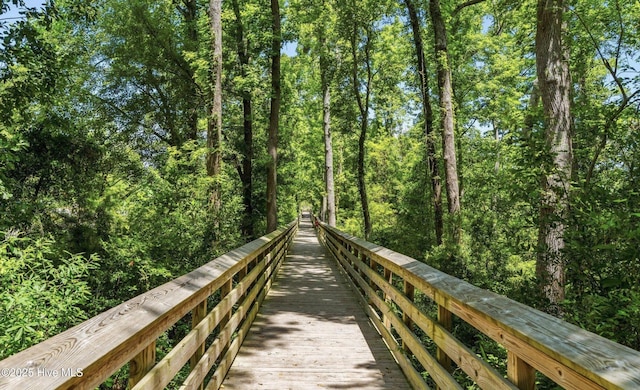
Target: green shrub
[(42, 293)]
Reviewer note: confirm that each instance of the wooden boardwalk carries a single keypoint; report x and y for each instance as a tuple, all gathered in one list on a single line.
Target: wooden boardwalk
[(311, 333)]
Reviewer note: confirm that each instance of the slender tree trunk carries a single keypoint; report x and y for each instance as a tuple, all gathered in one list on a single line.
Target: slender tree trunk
[(530, 118), (496, 137), (323, 209), (247, 168), (436, 186), (214, 127), (447, 116), (246, 173), (554, 83), (272, 148), (326, 125), (191, 21), (328, 159), (363, 106), (361, 179)]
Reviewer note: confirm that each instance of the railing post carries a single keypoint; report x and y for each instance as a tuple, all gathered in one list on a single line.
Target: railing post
[(224, 291), (374, 267), (363, 259), (140, 365), (242, 273), (444, 319), (347, 249), (520, 373), (197, 314), (388, 276), (409, 292)]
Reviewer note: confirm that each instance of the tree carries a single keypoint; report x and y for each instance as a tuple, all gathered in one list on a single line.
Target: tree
[(245, 169), (146, 75), (326, 125), (272, 146), (554, 83), (447, 116), (362, 92), (214, 123), (427, 113), (189, 10)]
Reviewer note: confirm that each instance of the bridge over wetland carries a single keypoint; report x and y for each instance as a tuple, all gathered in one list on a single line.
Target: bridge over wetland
[(306, 308)]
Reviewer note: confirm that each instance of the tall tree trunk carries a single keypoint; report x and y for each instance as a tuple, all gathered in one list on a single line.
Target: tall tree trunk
[(530, 118), (554, 83), (447, 117), (362, 189), (429, 136), (247, 168), (246, 172), (363, 106), (191, 20), (323, 209), (326, 125), (214, 127), (272, 148)]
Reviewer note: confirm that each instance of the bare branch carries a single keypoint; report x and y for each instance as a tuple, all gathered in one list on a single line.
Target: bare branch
[(606, 63), (619, 43), (607, 127), (465, 5)]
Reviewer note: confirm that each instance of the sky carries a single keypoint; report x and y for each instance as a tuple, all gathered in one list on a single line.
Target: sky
[(13, 13), (289, 48)]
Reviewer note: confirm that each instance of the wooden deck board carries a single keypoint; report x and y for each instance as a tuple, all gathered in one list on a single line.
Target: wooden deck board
[(311, 333)]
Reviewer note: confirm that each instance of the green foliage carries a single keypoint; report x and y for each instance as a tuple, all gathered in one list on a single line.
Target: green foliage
[(83, 171), (10, 145), (603, 291), (42, 292), (104, 108), (162, 225)]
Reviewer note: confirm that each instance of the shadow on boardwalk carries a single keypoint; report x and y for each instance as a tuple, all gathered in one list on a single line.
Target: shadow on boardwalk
[(311, 333)]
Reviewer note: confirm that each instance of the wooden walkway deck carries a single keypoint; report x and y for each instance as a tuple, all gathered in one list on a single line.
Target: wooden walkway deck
[(311, 333)]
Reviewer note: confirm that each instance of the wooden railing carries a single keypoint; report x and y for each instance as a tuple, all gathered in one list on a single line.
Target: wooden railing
[(571, 357), (83, 357)]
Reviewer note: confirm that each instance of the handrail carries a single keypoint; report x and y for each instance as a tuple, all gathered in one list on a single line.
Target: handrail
[(86, 355), (570, 356)]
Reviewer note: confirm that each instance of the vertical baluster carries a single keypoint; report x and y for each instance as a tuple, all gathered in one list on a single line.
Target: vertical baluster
[(197, 314), (520, 373), (444, 319), (372, 284), (140, 365), (347, 249), (388, 276), (409, 292), (243, 273), (363, 259), (354, 265), (225, 289)]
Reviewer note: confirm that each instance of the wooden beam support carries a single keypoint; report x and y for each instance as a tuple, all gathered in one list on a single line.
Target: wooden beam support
[(141, 364), (409, 292), (224, 291), (388, 276), (444, 319), (197, 315), (520, 373)]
